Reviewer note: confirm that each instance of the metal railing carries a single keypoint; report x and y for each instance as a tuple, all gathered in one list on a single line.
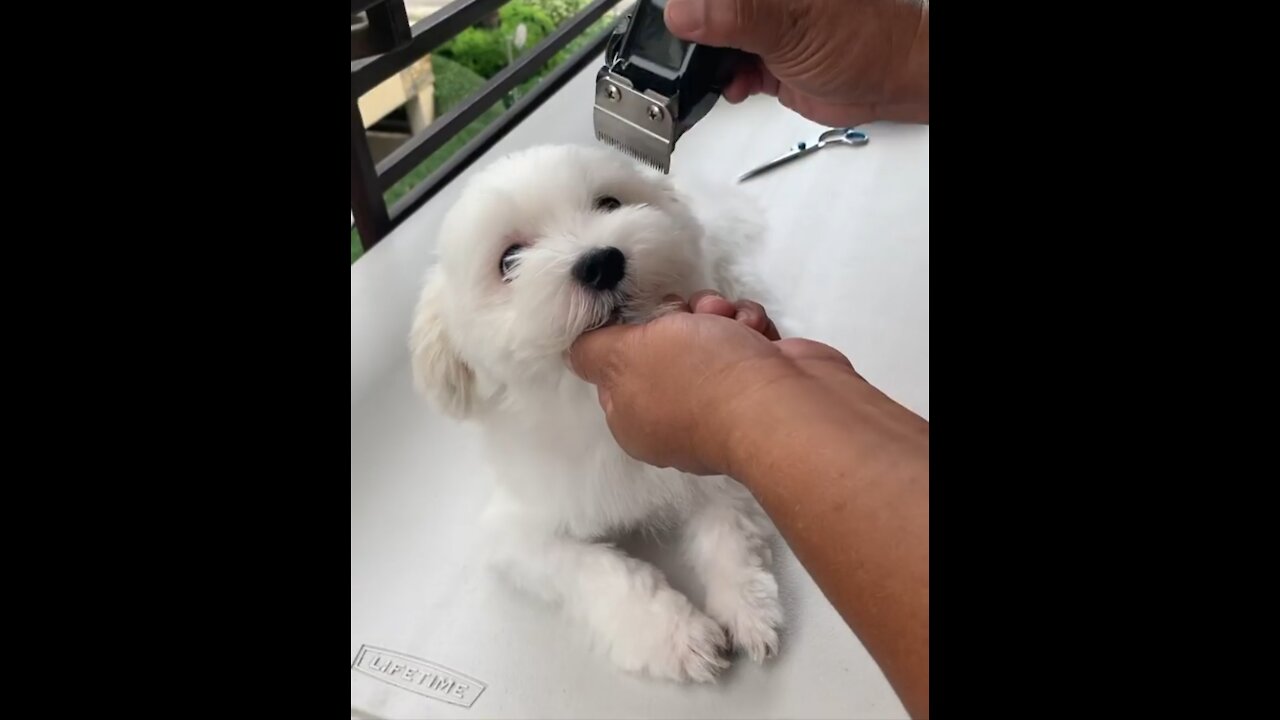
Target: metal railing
[(373, 219)]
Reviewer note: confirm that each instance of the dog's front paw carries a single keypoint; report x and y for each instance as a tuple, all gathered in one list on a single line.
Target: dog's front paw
[(752, 614), (665, 636)]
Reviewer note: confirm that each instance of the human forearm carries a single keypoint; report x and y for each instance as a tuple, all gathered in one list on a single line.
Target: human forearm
[(843, 471)]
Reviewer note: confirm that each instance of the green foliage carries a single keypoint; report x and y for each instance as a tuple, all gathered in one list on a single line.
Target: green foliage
[(476, 49), (453, 83), (484, 50), (591, 33), (463, 64), (559, 10), (536, 21)]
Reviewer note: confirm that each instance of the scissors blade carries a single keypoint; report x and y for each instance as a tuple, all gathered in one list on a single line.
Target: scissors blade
[(772, 164)]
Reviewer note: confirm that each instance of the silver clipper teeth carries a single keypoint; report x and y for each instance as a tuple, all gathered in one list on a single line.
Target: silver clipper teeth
[(640, 125), (662, 167)]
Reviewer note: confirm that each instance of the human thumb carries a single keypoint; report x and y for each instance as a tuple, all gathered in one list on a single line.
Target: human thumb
[(755, 26), (594, 356)]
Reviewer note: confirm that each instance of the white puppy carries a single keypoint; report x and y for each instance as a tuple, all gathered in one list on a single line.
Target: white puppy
[(544, 245)]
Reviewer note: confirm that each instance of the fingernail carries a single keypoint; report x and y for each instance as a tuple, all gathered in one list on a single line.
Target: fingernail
[(684, 17)]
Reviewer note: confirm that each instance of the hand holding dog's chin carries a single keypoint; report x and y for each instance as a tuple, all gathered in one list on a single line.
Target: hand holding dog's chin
[(666, 386), (686, 389)]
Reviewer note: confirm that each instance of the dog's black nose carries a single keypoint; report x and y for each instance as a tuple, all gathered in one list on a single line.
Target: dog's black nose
[(601, 268)]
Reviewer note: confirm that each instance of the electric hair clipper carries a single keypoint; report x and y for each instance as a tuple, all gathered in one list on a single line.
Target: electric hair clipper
[(654, 86)]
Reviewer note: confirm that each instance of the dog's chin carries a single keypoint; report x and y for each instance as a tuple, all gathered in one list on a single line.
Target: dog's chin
[(629, 312), (602, 312), (616, 317)]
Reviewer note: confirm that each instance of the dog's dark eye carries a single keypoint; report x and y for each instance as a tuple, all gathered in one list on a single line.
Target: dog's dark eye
[(608, 203), (510, 259)]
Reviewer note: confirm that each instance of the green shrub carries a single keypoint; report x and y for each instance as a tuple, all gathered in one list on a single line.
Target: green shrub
[(462, 65), (453, 83), (591, 33), (559, 10), (484, 51)]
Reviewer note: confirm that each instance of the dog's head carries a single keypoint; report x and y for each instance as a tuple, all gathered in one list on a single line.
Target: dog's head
[(544, 245)]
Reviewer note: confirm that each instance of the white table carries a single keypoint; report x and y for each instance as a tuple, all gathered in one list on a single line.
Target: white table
[(848, 255)]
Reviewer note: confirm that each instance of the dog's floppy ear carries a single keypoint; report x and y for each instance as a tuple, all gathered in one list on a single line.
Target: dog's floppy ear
[(438, 370)]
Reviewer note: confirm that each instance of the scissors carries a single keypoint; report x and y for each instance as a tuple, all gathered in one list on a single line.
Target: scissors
[(841, 136)]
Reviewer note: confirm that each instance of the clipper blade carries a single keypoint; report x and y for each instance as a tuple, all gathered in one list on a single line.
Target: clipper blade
[(661, 166), (639, 125)]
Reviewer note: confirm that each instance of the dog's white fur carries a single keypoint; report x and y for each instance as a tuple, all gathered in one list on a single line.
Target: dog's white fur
[(493, 351)]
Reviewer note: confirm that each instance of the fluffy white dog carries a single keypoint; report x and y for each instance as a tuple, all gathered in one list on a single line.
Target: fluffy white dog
[(544, 245)]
